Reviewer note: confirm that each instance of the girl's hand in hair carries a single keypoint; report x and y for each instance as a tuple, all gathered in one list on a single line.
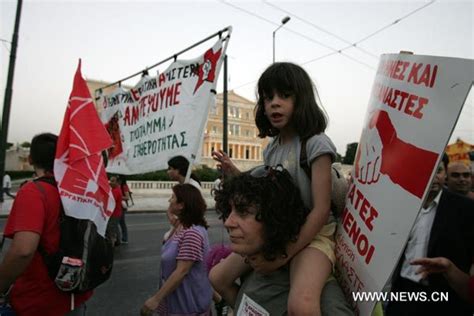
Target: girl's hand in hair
[(225, 164)]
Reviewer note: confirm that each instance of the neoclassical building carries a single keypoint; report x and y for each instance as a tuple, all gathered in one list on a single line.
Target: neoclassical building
[(245, 147)]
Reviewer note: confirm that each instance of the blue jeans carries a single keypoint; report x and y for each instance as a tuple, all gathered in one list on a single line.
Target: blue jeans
[(123, 226)]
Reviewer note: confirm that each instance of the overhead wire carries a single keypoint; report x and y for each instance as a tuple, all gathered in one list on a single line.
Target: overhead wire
[(334, 51), (6, 47), (320, 29), (356, 43), (4, 42), (395, 22), (297, 33)]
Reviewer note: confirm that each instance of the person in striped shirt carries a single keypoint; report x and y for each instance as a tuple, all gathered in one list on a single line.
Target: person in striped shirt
[(184, 286)]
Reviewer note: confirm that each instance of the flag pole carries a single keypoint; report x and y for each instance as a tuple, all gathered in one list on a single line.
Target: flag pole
[(8, 95)]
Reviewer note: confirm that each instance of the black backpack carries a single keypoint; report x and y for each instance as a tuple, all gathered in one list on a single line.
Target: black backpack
[(84, 259)]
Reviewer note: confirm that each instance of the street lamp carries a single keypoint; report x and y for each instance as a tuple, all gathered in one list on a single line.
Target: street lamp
[(283, 22)]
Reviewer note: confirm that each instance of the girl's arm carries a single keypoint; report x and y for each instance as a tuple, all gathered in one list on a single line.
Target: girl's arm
[(321, 193), (317, 218), (175, 279), (225, 164), (224, 275)]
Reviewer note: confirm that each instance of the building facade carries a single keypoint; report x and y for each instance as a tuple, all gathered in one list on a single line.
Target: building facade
[(244, 146)]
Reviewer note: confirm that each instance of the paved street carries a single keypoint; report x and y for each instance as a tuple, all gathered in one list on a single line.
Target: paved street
[(135, 272)]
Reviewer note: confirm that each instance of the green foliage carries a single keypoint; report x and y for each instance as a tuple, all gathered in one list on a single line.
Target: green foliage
[(338, 158), (9, 145), (160, 175), (26, 145), (204, 173), (350, 154), (20, 174)]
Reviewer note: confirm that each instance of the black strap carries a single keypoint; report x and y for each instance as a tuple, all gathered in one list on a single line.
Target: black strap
[(51, 181), (307, 169), (304, 161), (46, 179), (2, 242)]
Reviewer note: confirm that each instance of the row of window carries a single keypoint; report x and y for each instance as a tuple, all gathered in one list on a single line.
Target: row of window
[(234, 112), (234, 129)]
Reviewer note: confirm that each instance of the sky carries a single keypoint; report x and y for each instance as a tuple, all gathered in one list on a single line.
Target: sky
[(118, 38)]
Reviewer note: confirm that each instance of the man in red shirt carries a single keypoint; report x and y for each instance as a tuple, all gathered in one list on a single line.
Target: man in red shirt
[(113, 232), (34, 221)]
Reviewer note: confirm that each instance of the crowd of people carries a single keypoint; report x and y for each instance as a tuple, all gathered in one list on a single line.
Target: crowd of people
[(281, 220)]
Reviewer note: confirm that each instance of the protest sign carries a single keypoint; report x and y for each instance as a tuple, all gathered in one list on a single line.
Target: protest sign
[(78, 166), (162, 116), (415, 103)]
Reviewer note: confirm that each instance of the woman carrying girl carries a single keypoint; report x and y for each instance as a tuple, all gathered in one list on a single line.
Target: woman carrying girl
[(287, 110), (184, 284)]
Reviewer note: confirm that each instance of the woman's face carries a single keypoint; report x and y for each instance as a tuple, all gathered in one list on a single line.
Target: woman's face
[(175, 207), (245, 232)]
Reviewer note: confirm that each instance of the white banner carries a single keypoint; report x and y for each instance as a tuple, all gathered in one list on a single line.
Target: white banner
[(162, 116), (414, 106), (78, 165)]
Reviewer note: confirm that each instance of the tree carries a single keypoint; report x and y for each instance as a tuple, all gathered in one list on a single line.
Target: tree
[(350, 154), (26, 145)]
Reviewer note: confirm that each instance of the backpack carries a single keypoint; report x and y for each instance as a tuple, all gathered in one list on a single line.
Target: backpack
[(84, 259), (339, 184)]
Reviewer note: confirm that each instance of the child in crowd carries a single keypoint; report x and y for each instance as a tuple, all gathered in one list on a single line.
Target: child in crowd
[(288, 110)]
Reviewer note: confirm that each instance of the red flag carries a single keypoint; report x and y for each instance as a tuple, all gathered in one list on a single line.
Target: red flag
[(79, 166)]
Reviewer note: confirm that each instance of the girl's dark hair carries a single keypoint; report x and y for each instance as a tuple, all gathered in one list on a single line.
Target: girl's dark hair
[(43, 151), (194, 205), (277, 201), (182, 164), (289, 79)]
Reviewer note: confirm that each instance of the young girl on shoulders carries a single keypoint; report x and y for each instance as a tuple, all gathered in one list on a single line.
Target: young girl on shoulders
[(287, 110)]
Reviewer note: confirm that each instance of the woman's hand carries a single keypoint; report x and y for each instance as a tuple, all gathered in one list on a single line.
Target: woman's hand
[(173, 219), (225, 164), (150, 305)]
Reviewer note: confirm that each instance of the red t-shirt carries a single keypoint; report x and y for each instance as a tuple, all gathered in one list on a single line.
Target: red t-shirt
[(117, 193), (34, 292)]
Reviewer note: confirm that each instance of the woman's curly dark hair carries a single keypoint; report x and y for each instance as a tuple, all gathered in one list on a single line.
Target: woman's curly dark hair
[(277, 201)]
